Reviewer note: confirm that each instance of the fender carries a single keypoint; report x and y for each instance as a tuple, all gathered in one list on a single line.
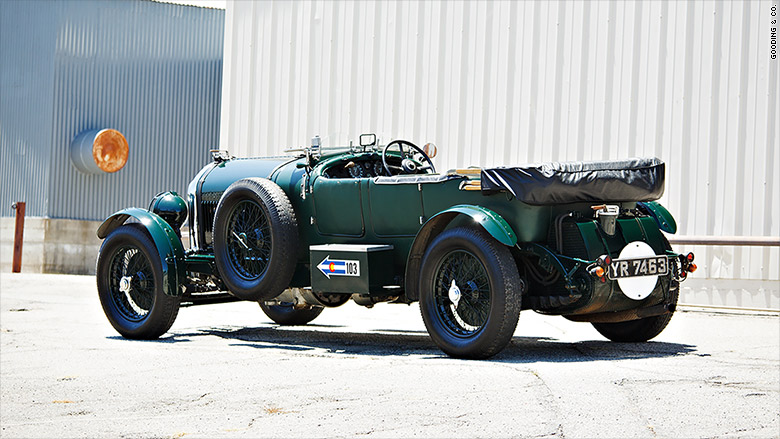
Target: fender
[(168, 245), (662, 217), (492, 222)]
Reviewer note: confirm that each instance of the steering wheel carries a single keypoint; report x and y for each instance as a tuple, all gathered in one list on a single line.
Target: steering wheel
[(408, 164)]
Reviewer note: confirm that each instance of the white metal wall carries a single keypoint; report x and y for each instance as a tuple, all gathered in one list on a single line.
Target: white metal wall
[(506, 83)]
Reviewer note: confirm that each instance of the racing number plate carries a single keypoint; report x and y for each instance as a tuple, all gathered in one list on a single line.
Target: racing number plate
[(653, 266)]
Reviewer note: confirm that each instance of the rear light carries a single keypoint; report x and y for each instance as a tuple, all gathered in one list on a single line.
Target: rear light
[(689, 257), (599, 272)]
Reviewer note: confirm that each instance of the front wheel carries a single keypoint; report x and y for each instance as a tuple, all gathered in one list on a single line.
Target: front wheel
[(470, 293), (130, 285)]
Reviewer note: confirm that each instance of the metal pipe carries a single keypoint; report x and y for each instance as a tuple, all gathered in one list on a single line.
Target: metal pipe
[(99, 151), (757, 241), (729, 308), (623, 316), (19, 206)]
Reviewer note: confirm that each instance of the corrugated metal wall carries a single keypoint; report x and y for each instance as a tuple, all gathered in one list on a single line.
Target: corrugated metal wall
[(26, 90), (153, 71), (502, 83)]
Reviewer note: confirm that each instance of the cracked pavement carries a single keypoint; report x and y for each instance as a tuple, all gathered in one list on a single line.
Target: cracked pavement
[(226, 371)]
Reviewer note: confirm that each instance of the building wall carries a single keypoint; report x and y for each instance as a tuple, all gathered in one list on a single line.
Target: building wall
[(51, 245), (55, 245), (150, 70), (505, 83), (27, 39)]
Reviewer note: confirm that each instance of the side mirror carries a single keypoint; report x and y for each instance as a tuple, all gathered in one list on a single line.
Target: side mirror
[(430, 150), (367, 140)]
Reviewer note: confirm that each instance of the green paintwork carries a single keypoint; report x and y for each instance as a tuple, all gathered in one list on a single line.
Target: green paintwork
[(488, 220), (528, 223), (662, 216), (594, 244), (599, 243), (385, 203), (360, 211), (228, 172), (168, 245), (409, 213), (602, 297), (337, 207), (200, 263)]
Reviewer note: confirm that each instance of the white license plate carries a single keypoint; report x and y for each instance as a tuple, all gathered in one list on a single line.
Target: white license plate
[(653, 266)]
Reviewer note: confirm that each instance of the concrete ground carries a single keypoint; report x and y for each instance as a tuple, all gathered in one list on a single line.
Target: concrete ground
[(227, 371)]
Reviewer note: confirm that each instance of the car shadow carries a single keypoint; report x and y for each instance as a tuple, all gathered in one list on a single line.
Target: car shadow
[(418, 343), (531, 350)]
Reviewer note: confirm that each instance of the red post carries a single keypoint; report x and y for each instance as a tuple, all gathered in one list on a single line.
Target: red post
[(18, 236)]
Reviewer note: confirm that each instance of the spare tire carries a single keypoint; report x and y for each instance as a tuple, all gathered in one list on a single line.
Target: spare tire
[(255, 239)]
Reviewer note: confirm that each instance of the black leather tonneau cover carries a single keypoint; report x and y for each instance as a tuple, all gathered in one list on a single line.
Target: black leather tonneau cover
[(638, 179)]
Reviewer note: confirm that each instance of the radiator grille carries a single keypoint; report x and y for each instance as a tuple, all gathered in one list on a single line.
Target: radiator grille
[(209, 201)]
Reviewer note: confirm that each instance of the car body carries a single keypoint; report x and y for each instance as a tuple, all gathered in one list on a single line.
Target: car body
[(314, 229)]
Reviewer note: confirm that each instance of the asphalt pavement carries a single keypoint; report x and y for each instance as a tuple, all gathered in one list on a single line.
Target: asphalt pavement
[(226, 371)]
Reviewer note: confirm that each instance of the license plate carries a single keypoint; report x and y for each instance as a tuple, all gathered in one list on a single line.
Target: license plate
[(653, 266)]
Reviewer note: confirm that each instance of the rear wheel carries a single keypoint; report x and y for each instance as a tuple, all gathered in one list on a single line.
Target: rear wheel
[(636, 330), (287, 315), (130, 285), (470, 293), (643, 329)]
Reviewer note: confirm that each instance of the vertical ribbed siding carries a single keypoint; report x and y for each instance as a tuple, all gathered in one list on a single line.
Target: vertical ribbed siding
[(503, 83), (150, 70), (26, 71)]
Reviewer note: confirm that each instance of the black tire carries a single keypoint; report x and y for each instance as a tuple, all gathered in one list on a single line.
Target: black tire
[(286, 315), (130, 285), (642, 330), (255, 239), (483, 320)]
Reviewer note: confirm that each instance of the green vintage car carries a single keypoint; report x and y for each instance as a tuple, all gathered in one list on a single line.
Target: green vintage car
[(376, 223)]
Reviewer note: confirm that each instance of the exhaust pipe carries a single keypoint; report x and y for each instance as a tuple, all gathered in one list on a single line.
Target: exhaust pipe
[(624, 316)]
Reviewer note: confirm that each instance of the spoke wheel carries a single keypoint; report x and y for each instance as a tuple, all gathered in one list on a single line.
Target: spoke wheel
[(132, 283), (462, 293), (249, 240), (129, 280), (470, 293), (255, 239)]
